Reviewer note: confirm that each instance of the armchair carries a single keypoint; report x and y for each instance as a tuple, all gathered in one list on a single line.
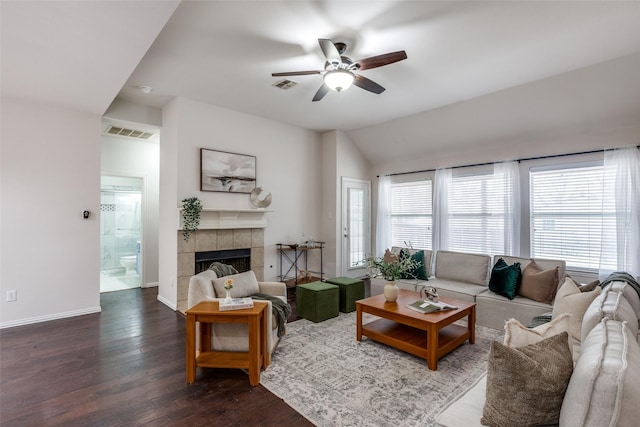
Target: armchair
[(231, 336)]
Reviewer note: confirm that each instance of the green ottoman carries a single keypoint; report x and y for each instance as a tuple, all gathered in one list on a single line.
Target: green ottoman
[(317, 301), (351, 290)]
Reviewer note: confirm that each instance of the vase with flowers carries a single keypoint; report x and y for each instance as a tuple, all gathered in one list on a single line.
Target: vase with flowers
[(391, 267), (228, 285)]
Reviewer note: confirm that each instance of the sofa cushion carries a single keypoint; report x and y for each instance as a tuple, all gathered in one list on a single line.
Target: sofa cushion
[(569, 299), (244, 285), (545, 264), (526, 385), (463, 267), (609, 304), (420, 272), (493, 310), (505, 279), (605, 385), (629, 293), (538, 284)]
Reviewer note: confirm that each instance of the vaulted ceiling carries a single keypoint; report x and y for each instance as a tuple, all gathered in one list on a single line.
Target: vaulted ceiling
[(545, 64)]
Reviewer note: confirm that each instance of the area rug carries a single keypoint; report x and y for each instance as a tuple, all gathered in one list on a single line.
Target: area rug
[(321, 371)]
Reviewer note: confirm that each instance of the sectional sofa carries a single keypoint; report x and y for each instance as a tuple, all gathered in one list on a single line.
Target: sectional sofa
[(604, 384), (466, 276)]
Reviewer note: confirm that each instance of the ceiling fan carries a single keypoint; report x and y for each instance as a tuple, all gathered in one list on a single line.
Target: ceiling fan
[(340, 71)]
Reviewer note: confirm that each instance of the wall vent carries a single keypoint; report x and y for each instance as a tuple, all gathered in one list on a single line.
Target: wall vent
[(285, 84), (129, 133)]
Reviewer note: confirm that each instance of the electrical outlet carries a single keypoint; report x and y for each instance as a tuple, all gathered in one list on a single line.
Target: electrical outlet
[(12, 295)]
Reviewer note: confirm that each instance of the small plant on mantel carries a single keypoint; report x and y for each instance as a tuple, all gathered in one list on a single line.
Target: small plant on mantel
[(191, 208)]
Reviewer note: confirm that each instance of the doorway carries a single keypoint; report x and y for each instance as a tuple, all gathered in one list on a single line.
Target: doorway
[(120, 233), (356, 225)]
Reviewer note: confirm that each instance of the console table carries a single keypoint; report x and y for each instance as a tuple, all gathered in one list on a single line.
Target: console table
[(208, 312), (297, 259)]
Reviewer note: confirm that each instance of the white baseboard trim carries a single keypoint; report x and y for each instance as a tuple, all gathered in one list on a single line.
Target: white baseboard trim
[(168, 303), (150, 285), (56, 316)]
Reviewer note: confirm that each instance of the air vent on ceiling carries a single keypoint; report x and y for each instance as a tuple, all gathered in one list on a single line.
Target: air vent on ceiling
[(129, 133), (285, 84)]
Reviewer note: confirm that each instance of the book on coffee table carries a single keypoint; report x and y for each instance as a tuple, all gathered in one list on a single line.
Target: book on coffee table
[(424, 306), (236, 304)]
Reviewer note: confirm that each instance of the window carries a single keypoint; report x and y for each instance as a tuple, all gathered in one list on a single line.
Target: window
[(568, 216), (412, 213), (480, 209)]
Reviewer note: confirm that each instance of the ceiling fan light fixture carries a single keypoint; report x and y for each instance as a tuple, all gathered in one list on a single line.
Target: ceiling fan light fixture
[(339, 80)]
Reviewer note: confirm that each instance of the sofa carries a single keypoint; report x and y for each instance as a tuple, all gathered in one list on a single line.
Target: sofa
[(207, 286), (604, 384), (466, 276)]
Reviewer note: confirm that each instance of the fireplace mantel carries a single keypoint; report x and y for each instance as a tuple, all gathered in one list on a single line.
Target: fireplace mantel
[(216, 219)]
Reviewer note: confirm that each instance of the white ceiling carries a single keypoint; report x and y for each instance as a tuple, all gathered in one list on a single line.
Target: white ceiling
[(223, 53)]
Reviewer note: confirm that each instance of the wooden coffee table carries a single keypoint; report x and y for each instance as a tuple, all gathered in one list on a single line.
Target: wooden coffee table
[(429, 336)]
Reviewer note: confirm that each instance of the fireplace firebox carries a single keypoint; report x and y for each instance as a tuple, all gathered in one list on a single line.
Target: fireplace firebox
[(240, 259)]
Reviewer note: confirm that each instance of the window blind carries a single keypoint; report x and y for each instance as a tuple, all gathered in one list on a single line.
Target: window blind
[(568, 216), (412, 213)]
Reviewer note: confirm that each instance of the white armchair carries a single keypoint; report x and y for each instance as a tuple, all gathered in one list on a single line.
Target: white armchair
[(233, 336)]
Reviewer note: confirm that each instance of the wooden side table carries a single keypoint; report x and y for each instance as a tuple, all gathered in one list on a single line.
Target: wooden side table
[(206, 313)]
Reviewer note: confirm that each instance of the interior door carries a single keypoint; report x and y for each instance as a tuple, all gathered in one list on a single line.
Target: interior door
[(356, 225)]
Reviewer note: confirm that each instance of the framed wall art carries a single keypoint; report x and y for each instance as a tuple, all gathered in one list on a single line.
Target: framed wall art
[(227, 172)]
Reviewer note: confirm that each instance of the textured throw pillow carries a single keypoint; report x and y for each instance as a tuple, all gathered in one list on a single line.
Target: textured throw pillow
[(537, 284), (605, 386), (420, 272), (584, 287), (517, 335), (526, 385), (244, 285), (222, 270), (505, 279), (569, 299)]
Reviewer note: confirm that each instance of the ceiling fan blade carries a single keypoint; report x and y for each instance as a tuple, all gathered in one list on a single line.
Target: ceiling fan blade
[(321, 92), (380, 60), (366, 84), (296, 73), (330, 51)]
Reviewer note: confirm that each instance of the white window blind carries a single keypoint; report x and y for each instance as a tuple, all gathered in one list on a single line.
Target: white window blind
[(479, 210), (412, 213), (568, 216)]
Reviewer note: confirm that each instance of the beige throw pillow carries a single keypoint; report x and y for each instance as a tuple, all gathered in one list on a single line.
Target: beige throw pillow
[(244, 285), (526, 385), (537, 284), (517, 335), (569, 299)]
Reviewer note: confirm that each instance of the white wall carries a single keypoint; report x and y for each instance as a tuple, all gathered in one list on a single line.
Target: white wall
[(50, 174), (341, 158), (129, 157), (288, 163)]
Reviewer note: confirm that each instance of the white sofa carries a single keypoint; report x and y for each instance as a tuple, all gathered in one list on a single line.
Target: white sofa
[(465, 276), (605, 383), (230, 336)]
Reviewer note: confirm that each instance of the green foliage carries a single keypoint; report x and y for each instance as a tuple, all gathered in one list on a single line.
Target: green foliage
[(391, 269), (191, 208)]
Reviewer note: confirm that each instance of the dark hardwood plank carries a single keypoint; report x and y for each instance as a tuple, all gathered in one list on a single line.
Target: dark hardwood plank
[(124, 366)]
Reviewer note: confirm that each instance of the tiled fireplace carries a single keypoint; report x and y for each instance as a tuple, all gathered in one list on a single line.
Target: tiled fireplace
[(230, 232)]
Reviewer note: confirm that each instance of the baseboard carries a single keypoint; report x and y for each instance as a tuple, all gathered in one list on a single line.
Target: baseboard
[(150, 285), (56, 316), (168, 303)]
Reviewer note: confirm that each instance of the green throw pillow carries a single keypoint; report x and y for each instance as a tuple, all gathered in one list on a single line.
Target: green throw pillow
[(420, 272), (505, 279)]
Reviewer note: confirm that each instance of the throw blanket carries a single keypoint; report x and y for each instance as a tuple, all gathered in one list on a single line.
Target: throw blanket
[(620, 276), (281, 310)]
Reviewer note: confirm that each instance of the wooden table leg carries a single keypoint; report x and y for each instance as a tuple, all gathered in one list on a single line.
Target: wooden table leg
[(191, 348), (432, 347), (471, 324), (358, 322), (264, 339), (254, 348)]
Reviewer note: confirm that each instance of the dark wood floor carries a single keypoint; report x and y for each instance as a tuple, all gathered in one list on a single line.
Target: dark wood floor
[(123, 367)]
